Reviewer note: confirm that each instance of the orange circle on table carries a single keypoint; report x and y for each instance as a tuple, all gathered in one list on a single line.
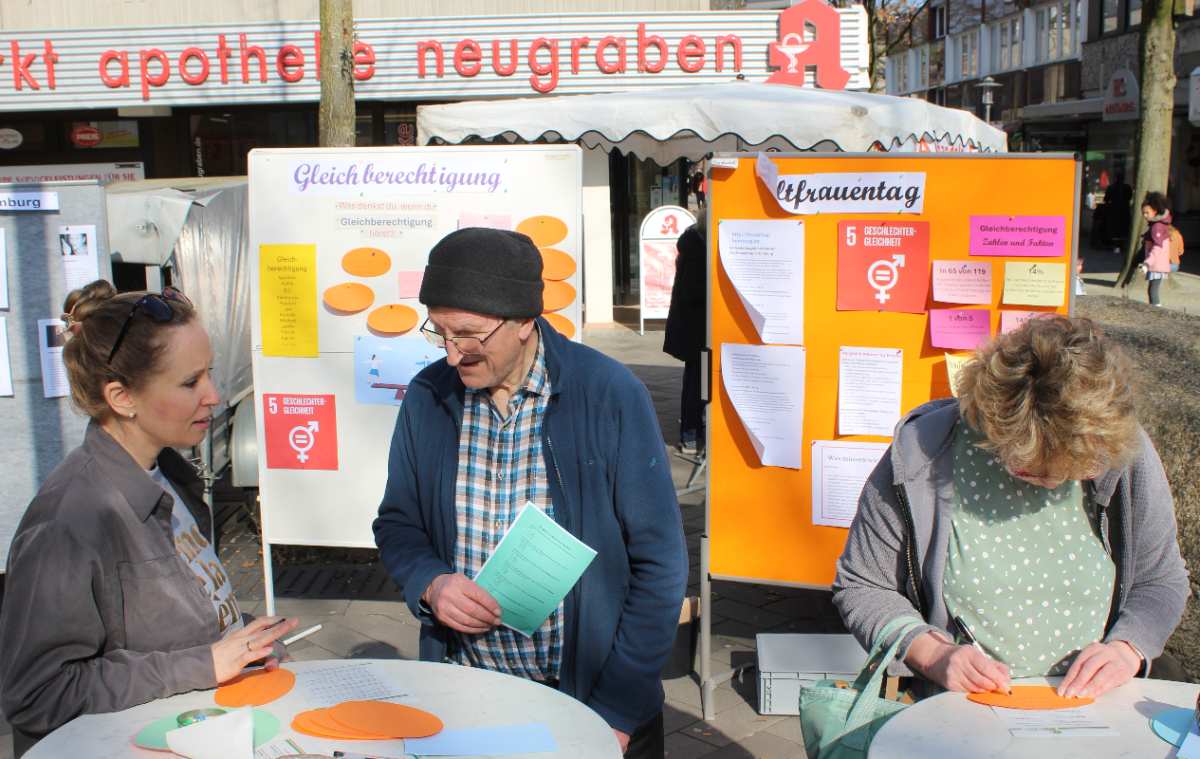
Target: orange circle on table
[(543, 230), (350, 297), (561, 324), (381, 717), (557, 296), (392, 319), (1028, 697), (366, 262), (318, 723), (255, 688), (556, 265)]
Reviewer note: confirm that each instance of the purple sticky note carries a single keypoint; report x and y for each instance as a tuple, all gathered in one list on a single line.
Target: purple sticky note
[(1018, 236), (1012, 320), (962, 282), (962, 329), (410, 283)]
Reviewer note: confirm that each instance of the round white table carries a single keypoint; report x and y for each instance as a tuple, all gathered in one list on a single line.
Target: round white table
[(462, 697), (949, 726)]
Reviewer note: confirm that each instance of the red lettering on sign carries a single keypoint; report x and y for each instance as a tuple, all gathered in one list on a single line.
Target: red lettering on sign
[(467, 57), (733, 41), (364, 61), (543, 69), (509, 69), (121, 57), (289, 63), (155, 80), (317, 53), (50, 58), (185, 74), (690, 54), (223, 53), (645, 42), (577, 45), (602, 61), (248, 52), (21, 66), (423, 48)]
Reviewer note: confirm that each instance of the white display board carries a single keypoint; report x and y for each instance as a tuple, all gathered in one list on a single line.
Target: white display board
[(657, 236), (339, 240)]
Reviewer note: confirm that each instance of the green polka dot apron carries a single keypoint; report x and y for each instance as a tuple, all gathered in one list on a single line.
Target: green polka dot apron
[(1026, 570)]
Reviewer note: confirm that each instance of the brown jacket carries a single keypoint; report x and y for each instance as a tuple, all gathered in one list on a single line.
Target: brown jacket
[(100, 612)]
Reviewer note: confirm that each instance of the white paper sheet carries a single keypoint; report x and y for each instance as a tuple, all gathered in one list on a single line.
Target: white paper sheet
[(353, 682), (869, 382), (840, 468), (81, 262), (229, 736), (50, 347), (766, 385), (6, 386), (765, 262), (4, 305), (1054, 723)]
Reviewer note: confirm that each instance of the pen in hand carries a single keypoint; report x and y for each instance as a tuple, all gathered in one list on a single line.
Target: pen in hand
[(970, 638)]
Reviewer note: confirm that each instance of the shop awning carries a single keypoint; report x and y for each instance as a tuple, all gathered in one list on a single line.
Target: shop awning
[(688, 122)]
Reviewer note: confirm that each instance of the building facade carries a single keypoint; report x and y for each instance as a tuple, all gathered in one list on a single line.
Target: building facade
[(1068, 74)]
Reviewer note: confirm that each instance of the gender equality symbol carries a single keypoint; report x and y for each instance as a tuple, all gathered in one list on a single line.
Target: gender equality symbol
[(302, 438), (883, 275)]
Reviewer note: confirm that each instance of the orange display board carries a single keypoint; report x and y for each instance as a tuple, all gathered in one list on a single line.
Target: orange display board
[(760, 518)]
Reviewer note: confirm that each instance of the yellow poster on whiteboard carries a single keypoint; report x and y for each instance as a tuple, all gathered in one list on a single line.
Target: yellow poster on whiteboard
[(287, 281), (1035, 283)]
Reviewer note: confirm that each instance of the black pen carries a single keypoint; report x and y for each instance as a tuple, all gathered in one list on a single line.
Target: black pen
[(966, 633)]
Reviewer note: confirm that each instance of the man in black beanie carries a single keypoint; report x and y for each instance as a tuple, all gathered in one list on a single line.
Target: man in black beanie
[(519, 414)]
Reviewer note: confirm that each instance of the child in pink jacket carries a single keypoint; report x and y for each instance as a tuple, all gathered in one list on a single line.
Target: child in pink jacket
[(1156, 243)]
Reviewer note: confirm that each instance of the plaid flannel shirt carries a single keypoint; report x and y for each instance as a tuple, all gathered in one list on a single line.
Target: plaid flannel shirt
[(500, 468)]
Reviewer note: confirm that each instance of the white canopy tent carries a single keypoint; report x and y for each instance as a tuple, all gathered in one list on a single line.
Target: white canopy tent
[(688, 122)]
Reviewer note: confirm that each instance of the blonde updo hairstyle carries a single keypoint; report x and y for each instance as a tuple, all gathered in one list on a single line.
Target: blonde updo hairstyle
[(95, 314), (1052, 397)]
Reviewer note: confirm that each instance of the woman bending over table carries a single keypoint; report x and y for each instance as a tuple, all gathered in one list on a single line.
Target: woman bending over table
[(1032, 514), (114, 594)]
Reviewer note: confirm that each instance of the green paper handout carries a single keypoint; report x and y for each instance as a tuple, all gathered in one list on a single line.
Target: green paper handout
[(533, 567)]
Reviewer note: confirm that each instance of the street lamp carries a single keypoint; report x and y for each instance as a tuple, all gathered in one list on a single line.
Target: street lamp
[(988, 86)]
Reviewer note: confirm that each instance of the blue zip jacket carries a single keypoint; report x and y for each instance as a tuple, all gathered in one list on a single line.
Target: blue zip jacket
[(610, 481)]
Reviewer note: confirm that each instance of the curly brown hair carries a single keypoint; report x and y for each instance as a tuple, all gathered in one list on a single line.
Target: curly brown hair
[(1053, 397)]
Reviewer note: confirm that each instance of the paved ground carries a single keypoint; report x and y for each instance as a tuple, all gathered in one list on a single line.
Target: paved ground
[(362, 616)]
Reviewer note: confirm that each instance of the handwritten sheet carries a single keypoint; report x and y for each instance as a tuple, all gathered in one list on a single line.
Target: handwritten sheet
[(1012, 320), (959, 329), (1035, 284), (1053, 723), (766, 385), (352, 682), (869, 386), (967, 282), (765, 262), (954, 365), (840, 469), (1017, 235)]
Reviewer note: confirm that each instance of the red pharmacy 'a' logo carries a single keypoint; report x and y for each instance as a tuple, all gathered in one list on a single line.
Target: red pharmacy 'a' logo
[(810, 36)]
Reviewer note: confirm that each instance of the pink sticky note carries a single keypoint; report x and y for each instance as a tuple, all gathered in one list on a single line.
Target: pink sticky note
[(959, 328), (1018, 235), (962, 281), (1012, 320), (489, 220), (410, 283)]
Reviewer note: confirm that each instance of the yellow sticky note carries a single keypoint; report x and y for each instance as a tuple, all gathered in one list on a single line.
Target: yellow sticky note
[(954, 364), (1035, 283), (287, 289)]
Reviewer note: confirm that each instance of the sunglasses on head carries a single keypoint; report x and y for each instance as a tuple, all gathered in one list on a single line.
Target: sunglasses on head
[(157, 306)]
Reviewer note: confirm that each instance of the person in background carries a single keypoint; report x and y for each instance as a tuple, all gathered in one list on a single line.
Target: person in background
[(686, 327), (114, 594), (1156, 244), (1031, 515), (517, 414)]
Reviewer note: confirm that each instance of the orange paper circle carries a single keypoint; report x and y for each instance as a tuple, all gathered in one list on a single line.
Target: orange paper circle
[(383, 718), (557, 296), (556, 265), (318, 723), (561, 324), (393, 319), (1029, 697), (543, 230), (255, 688), (366, 262), (350, 297)]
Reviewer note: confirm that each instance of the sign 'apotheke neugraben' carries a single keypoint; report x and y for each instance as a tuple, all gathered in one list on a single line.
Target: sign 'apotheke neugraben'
[(431, 57)]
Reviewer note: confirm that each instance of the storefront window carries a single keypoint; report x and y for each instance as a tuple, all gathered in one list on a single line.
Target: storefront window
[(1134, 13), (17, 137), (1108, 15), (220, 140), (399, 128), (968, 54)]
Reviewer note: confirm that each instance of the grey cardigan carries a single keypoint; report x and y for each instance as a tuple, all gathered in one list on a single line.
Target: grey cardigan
[(895, 555), (100, 612)]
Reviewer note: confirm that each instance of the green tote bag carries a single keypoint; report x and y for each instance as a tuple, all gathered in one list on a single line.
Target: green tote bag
[(839, 723)]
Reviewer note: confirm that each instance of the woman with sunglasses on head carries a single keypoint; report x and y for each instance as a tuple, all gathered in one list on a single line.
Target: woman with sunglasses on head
[(1029, 523), (114, 594)]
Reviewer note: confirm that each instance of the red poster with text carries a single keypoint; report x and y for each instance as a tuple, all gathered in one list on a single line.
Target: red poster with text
[(300, 431), (883, 266)]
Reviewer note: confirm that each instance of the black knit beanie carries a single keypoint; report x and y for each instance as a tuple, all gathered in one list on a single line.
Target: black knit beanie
[(488, 271)]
